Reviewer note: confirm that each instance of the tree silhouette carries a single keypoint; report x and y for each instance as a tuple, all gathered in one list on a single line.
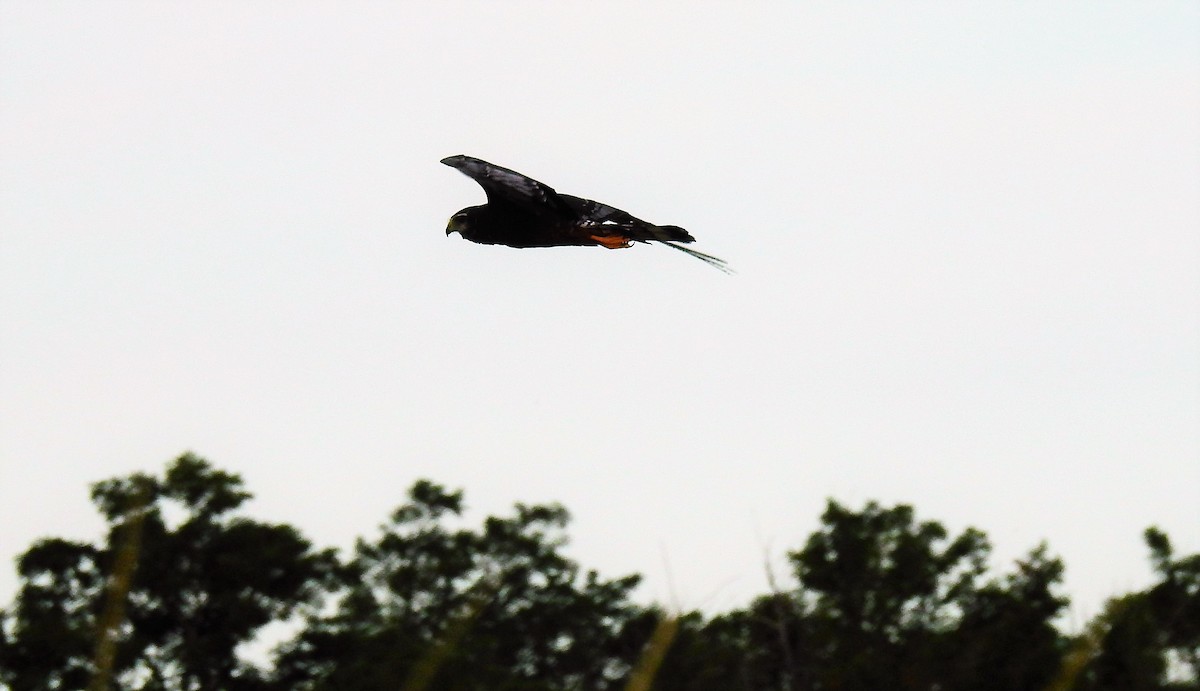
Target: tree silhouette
[(1150, 640), (879, 600), (883, 601), (498, 608), (203, 585)]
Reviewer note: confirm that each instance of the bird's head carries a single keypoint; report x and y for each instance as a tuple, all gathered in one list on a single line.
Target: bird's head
[(459, 223)]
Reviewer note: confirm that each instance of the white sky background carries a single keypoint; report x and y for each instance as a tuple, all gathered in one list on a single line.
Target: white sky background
[(967, 239)]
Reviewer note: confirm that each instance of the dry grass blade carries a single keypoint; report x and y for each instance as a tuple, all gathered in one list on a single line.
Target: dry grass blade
[(423, 673), (108, 627), (642, 677), (1087, 647)]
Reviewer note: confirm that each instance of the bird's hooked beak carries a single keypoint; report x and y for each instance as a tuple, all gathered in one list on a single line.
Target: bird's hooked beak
[(457, 223)]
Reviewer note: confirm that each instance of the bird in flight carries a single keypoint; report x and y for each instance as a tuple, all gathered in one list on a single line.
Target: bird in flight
[(522, 212)]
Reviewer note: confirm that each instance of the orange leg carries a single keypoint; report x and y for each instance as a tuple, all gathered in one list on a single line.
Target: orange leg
[(612, 242)]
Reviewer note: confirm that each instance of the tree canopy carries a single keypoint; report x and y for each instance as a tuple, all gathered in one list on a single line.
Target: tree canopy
[(877, 598)]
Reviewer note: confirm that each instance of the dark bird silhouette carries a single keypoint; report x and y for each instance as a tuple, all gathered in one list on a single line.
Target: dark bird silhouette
[(522, 212)]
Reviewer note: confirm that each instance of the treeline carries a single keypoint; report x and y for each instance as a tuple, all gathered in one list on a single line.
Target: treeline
[(878, 600)]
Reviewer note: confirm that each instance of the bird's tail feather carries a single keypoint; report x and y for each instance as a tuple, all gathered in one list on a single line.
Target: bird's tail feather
[(669, 236), (706, 258), (666, 234)]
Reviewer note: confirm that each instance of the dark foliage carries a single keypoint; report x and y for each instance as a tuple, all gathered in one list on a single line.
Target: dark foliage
[(510, 611), (1151, 639), (878, 600), (883, 601), (202, 587)]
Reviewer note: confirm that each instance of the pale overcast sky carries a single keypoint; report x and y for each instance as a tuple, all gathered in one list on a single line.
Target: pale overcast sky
[(967, 238)]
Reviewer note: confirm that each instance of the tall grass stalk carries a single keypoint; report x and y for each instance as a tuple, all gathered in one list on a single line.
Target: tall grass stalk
[(1086, 647), (423, 673), (642, 677), (112, 617)]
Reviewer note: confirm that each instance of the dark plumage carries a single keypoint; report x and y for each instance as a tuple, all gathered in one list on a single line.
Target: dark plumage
[(522, 212)]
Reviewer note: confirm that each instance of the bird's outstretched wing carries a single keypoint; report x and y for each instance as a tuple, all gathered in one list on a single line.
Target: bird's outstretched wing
[(506, 187), (596, 212)]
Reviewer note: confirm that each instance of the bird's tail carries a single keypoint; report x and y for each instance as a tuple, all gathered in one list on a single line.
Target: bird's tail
[(661, 234), (706, 258), (669, 235)]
